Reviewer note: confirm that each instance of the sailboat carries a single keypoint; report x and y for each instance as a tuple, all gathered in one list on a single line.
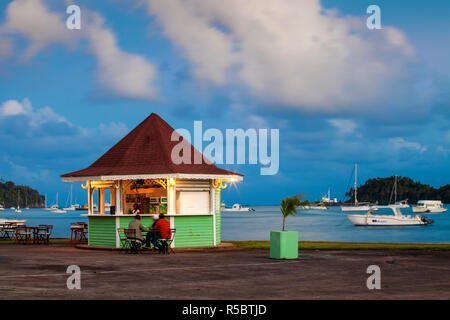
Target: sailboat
[(400, 204), (26, 204), (55, 208), (72, 207), (357, 206), (17, 210)]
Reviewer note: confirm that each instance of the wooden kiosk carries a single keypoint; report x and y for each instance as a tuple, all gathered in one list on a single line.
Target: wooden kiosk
[(139, 170)]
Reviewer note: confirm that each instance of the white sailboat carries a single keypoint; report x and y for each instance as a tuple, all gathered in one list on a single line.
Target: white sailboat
[(55, 208), (72, 207), (17, 210), (397, 219), (400, 204), (357, 206)]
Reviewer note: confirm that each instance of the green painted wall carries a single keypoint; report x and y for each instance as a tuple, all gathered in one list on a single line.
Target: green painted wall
[(192, 231), (102, 231), (195, 231)]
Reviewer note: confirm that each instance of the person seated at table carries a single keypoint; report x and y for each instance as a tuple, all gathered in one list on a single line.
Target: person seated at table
[(136, 209), (138, 227), (152, 232), (162, 225)]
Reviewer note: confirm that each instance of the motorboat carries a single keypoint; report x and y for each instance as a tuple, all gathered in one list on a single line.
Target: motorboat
[(72, 207), (402, 203), (238, 207), (430, 206), (397, 219), (319, 207), (17, 222), (363, 207), (18, 210), (2, 208), (59, 211)]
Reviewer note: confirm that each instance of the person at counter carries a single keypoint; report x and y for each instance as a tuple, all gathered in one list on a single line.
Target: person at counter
[(162, 228), (136, 209)]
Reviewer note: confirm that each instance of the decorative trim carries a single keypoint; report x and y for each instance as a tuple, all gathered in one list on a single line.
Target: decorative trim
[(230, 177)]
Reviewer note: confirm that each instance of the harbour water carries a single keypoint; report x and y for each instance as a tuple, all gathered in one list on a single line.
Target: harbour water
[(317, 225)]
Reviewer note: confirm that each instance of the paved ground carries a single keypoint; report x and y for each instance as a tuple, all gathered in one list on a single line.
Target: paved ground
[(39, 272)]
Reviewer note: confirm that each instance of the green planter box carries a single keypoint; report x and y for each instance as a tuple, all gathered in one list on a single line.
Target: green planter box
[(284, 244)]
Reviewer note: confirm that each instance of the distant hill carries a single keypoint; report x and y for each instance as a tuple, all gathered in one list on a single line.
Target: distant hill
[(379, 190), (28, 196)]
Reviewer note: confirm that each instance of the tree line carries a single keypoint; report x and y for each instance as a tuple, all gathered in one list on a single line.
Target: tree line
[(380, 190), (10, 194)]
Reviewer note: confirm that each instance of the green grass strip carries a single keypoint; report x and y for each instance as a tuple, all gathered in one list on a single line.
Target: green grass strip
[(328, 245)]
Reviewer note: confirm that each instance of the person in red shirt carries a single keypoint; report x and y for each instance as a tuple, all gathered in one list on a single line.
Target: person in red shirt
[(162, 226)]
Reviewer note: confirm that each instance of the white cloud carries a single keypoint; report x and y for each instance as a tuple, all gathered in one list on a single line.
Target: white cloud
[(128, 75), (344, 126), (287, 52), (14, 107), (121, 73), (400, 143), (32, 19)]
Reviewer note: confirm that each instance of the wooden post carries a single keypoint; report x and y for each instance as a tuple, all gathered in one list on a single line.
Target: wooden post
[(89, 189), (171, 198), (101, 201), (113, 196)]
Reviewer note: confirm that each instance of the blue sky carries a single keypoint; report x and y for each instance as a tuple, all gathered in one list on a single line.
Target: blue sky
[(338, 92)]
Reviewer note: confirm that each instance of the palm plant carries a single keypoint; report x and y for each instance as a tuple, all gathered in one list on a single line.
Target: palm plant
[(289, 206)]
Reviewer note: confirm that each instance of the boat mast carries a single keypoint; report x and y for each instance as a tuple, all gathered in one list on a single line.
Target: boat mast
[(395, 190), (356, 185)]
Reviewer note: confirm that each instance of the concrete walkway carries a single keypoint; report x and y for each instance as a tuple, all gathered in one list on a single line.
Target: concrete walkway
[(39, 272)]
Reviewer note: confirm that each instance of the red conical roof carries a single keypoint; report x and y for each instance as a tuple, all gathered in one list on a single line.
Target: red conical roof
[(146, 150)]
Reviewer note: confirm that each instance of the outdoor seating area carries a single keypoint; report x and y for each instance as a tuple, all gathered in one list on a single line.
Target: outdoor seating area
[(78, 232), (130, 244), (23, 234)]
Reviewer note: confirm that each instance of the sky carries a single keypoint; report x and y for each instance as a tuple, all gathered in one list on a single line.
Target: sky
[(338, 93)]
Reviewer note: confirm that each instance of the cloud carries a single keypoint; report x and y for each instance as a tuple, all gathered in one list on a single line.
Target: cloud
[(291, 53), (400, 143), (128, 75), (35, 22), (14, 108), (27, 132), (119, 72), (345, 126)]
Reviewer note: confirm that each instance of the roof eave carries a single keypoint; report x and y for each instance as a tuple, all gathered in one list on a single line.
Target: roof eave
[(231, 177)]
